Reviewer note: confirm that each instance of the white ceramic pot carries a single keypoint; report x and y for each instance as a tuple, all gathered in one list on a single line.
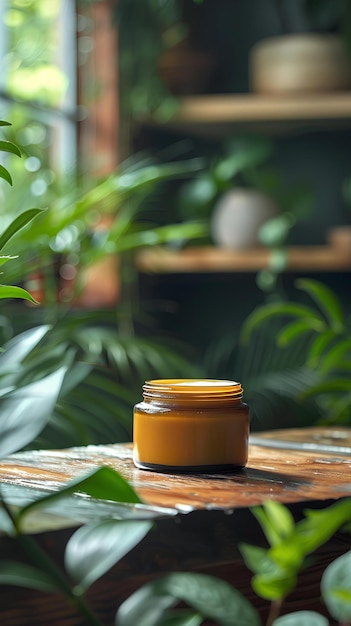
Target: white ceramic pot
[(301, 63), (238, 216)]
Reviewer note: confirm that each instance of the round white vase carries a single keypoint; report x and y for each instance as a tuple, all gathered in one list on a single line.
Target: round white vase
[(238, 216)]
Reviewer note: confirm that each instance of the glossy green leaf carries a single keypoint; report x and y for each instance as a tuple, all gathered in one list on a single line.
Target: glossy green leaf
[(8, 292), (93, 549), (5, 175), (213, 598), (22, 575), (325, 299), (336, 588), (9, 146), (103, 483), (19, 222), (25, 411), (19, 347), (148, 606), (5, 123), (301, 618)]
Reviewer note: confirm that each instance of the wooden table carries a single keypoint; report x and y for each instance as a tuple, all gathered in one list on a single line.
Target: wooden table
[(199, 519)]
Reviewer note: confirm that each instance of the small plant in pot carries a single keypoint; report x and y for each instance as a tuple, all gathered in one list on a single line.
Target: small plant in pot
[(247, 202), (312, 53)]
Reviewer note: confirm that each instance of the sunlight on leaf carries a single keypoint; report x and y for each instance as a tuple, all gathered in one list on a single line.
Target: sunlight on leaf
[(25, 411), (103, 483), (9, 292)]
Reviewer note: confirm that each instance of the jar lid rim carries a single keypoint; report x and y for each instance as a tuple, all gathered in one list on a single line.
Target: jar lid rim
[(192, 382)]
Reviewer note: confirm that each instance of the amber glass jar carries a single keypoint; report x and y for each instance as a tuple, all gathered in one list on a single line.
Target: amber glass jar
[(191, 425)]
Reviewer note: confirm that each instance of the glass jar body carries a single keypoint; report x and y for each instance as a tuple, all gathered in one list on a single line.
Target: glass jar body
[(191, 426)]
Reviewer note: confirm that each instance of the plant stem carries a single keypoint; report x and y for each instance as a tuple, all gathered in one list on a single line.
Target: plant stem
[(39, 558), (274, 611)]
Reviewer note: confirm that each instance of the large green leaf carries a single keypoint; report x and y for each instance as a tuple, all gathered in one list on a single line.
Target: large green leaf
[(8, 292), (9, 146), (301, 618), (336, 588), (95, 548), (19, 222), (103, 483), (5, 174), (25, 411), (22, 575), (213, 598)]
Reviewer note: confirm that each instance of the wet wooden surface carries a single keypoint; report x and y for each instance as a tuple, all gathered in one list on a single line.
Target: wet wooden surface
[(199, 521), (288, 465)]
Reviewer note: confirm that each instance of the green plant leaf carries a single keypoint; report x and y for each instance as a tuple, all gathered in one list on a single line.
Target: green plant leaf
[(275, 520), (213, 598), (25, 411), (301, 618), (148, 606), (8, 146), (334, 357), (256, 558), (292, 331), (93, 549), (334, 385), (18, 223), (22, 575), (336, 588), (5, 174), (103, 483), (5, 258), (20, 346), (8, 292), (181, 618), (318, 346), (325, 300), (4, 123), (280, 309), (275, 587), (319, 526)]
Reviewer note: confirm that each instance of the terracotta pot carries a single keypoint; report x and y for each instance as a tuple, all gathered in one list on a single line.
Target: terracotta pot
[(302, 63), (238, 216)]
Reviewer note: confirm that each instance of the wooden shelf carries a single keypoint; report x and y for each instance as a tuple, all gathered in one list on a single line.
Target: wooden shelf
[(214, 115), (212, 259)]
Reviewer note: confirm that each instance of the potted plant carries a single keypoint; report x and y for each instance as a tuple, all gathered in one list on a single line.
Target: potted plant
[(246, 202), (312, 54)]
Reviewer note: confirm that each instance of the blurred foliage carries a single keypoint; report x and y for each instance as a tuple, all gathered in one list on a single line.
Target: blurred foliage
[(322, 334)]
